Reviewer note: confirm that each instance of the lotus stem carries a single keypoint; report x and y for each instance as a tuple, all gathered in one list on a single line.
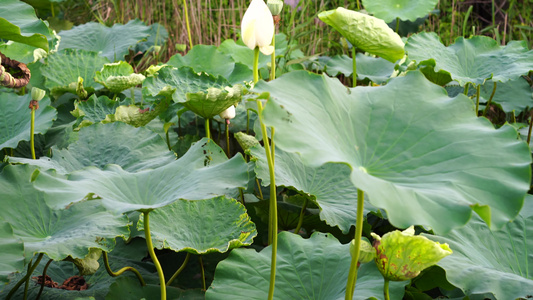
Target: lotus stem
[(530, 125), (354, 68), (358, 5), (256, 64), (273, 228), (490, 99), (207, 131), (273, 59), (227, 138), (204, 287), (386, 289), (180, 269), (31, 268), (352, 275), (301, 218), (478, 88), (397, 24), (119, 272), (467, 85), (32, 133), (185, 10), (44, 279), (151, 251)]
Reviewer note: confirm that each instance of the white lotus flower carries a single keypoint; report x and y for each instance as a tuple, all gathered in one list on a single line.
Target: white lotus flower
[(229, 113), (257, 27)]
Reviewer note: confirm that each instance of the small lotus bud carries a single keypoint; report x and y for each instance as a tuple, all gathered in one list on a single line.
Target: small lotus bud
[(37, 94), (275, 6), (366, 252), (157, 49), (229, 113)]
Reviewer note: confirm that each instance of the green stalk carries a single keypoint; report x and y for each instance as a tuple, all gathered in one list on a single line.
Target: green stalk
[(354, 68), (187, 22), (301, 219), (150, 246), (256, 63), (273, 59), (467, 85), (397, 24), (204, 287), (273, 228), (207, 132), (31, 268), (490, 99), (227, 138), (530, 125), (32, 131), (180, 269), (119, 272), (358, 5), (386, 289), (352, 275), (44, 279), (478, 88)]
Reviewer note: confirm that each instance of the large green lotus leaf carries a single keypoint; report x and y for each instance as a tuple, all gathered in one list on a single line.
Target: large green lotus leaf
[(205, 58), (503, 257), (365, 32), (472, 60), (515, 94), (203, 172), (117, 77), (422, 166), (58, 233), (133, 149), (15, 118), (177, 83), (110, 42), (157, 37), (389, 10), (19, 23), (225, 225), (21, 52), (63, 68), (330, 185), (214, 101), (314, 268), (127, 288), (12, 249), (376, 69)]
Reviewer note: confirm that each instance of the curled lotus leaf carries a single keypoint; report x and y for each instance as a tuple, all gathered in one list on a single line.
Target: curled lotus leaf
[(118, 77), (365, 32), (401, 255)]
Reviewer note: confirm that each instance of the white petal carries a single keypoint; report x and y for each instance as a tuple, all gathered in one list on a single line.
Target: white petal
[(257, 26), (229, 113), (266, 50)]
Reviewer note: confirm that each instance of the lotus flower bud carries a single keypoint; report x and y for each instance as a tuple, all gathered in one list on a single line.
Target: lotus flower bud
[(229, 113), (366, 251), (257, 27), (402, 256), (275, 6), (37, 94)]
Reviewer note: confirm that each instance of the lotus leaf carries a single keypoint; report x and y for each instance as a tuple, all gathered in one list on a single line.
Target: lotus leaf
[(420, 165), (15, 118), (58, 233), (117, 77), (203, 172), (329, 185), (133, 149), (365, 32), (389, 10), (63, 68), (12, 249), (472, 60), (19, 23), (225, 225), (376, 69), (314, 268), (110, 42), (503, 257)]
